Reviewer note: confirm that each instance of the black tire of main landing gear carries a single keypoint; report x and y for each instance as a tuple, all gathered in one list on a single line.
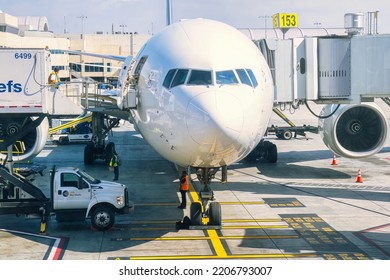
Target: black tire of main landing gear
[(215, 216), (196, 214), (89, 153), (272, 153)]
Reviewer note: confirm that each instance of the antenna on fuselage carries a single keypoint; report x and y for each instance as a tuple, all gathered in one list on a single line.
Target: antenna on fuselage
[(169, 12)]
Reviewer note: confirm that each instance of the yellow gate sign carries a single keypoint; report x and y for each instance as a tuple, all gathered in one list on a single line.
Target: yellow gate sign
[(282, 20)]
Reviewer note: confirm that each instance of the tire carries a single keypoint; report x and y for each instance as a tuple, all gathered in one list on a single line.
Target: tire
[(89, 156), (272, 153), (63, 140), (287, 134), (215, 214), (252, 156), (102, 218), (196, 214)]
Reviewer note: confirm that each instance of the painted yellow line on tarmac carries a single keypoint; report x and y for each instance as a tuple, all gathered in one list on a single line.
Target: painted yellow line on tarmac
[(241, 202), (245, 227), (156, 204), (223, 227), (217, 244), (245, 256), (205, 238), (226, 221), (152, 228), (222, 203)]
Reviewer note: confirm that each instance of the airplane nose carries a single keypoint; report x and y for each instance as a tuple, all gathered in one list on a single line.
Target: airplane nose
[(215, 118)]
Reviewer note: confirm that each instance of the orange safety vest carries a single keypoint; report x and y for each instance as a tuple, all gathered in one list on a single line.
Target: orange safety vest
[(184, 183)]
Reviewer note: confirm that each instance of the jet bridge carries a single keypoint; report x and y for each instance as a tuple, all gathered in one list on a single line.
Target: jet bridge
[(334, 69), (346, 73)]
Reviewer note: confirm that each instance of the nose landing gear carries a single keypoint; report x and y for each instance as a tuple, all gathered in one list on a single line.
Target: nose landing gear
[(206, 213)]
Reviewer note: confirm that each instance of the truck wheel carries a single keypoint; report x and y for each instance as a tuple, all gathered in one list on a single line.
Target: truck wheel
[(102, 218)]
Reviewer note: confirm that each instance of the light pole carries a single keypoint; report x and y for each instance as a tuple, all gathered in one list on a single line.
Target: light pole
[(317, 24), (82, 17), (123, 28), (265, 23)]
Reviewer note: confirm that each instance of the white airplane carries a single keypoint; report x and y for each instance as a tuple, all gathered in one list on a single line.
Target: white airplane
[(204, 99), (201, 94)]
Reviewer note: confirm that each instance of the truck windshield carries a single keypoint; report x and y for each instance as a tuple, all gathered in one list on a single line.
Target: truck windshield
[(88, 177)]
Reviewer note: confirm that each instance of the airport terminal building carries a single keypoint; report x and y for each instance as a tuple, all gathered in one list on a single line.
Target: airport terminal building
[(34, 32)]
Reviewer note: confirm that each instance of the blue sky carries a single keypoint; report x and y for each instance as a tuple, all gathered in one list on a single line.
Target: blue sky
[(148, 16)]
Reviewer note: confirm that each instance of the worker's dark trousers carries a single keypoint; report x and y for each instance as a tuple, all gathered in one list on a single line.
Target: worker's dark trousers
[(116, 172), (183, 199)]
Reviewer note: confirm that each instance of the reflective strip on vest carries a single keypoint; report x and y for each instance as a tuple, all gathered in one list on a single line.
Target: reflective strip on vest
[(114, 161)]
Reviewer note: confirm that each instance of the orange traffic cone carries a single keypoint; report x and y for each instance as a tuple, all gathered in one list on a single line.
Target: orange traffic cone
[(359, 178), (334, 160)]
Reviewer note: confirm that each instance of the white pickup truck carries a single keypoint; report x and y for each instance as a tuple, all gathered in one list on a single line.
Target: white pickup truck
[(78, 195)]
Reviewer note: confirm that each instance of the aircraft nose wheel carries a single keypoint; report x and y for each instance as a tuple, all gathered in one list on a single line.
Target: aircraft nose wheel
[(213, 212), (215, 217)]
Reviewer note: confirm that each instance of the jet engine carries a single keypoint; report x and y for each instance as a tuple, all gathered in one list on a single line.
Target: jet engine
[(353, 131), (29, 145)]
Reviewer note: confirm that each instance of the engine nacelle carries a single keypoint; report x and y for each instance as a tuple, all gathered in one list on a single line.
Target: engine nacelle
[(32, 144), (353, 131)]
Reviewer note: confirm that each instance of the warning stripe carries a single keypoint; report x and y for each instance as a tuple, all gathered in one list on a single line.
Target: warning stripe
[(22, 106)]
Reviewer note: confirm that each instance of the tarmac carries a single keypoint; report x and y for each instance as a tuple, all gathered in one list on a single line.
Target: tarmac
[(301, 207)]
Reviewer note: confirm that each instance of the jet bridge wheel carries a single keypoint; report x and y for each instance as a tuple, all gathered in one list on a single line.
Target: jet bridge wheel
[(287, 134)]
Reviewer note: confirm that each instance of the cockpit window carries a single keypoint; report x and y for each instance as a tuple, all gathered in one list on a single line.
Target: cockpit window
[(200, 77), (253, 78), (168, 78), (226, 77), (180, 77), (244, 78)]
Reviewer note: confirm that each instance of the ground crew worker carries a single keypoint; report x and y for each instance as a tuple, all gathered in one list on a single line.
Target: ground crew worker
[(53, 78), (184, 184), (114, 162)]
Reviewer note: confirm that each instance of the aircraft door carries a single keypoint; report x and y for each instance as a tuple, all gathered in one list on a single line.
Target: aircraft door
[(73, 193)]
